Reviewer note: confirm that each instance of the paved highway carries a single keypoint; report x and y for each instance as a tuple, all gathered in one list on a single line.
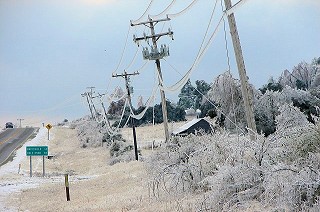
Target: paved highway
[(11, 139)]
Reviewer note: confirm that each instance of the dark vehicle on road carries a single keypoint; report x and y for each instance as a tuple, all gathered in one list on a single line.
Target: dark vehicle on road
[(9, 125)]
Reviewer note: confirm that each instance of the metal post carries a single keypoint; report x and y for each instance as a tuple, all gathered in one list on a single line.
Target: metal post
[(30, 167), (248, 104), (43, 174), (48, 134)]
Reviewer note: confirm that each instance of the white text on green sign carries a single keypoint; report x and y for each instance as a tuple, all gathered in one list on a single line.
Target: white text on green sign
[(37, 150)]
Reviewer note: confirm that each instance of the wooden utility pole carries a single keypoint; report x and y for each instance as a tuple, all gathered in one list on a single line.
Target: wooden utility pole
[(90, 96), (156, 55), (245, 89), (87, 97), (104, 108), (125, 75), (66, 182)]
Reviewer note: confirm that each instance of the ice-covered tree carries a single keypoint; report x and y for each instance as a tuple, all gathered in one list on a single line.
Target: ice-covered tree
[(116, 107), (304, 76), (140, 102), (271, 86), (266, 110), (226, 93), (202, 88), (186, 96)]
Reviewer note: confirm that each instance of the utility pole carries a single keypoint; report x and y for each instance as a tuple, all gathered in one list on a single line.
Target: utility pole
[(90, 95), (20, 121), (87, 97), (104, 109), (156, 55), (246, 91), (125, 75)]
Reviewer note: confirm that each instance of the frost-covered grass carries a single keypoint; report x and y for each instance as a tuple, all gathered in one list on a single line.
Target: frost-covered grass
[(227, 172), (234, 173)]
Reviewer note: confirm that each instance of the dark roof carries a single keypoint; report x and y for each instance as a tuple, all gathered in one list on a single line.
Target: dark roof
[(193, 126)]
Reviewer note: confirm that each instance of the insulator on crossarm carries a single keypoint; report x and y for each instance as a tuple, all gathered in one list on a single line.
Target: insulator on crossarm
[(162, 49), (145, 53), (170, 33), (135, 40), (145, 36)]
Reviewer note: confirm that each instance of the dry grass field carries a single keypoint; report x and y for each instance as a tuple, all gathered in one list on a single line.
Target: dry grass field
[(94, 185)]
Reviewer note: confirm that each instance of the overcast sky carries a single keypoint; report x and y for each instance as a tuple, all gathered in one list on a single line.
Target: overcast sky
[(51, 50)]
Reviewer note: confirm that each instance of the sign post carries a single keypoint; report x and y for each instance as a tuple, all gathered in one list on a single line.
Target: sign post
[(30, 167), (48, 126), (37, 151)]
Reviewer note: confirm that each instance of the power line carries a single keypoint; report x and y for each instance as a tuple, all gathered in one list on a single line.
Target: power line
[(184, 10), (207, 99), (124, 48), (145, 12), (228, 62), (164, 11)]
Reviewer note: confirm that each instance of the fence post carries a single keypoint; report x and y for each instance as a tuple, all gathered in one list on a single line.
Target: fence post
[(67, 186)]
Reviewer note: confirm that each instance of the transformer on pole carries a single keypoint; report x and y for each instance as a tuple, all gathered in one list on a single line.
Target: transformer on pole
[(156, 54)]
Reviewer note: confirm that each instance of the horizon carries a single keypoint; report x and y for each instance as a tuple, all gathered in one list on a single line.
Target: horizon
[(51, 51)]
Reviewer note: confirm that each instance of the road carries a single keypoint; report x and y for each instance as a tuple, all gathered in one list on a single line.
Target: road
[(11, 139)]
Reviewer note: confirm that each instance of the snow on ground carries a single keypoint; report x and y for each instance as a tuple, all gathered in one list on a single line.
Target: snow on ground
[(12, 167), (9, 182), (91, 179), (94, 185)]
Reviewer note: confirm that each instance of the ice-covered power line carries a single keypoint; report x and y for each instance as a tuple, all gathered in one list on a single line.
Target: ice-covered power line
[(184, 10), (185, 78), (124, 48), (202, 49), (215, 106), (147, 105), (164, 11), (144, 14), (235, 7), (143, 67), (200, 55), (133, 60)]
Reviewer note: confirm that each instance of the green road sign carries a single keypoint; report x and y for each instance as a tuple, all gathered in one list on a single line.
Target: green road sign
[(37, 150)]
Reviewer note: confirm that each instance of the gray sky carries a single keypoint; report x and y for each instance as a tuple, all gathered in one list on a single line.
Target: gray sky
[(51, 50)]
